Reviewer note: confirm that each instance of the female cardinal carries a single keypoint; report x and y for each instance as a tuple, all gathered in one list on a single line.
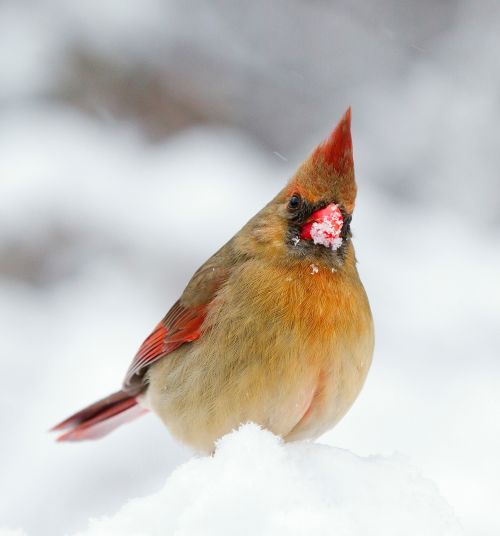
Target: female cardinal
[(275, 328)]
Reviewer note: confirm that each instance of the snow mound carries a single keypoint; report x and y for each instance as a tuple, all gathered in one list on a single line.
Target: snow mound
[(256, 485)]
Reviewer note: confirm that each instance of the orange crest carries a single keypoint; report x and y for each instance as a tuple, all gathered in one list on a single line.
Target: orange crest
[(337, 149), (328, 174)]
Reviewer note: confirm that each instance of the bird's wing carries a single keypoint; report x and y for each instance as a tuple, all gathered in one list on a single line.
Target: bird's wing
[(183, 323)]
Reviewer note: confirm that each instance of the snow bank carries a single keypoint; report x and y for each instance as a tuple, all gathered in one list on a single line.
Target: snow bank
[(256, 485)]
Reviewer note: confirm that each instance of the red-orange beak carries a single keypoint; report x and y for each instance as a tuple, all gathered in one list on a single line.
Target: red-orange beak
[(324, 227)]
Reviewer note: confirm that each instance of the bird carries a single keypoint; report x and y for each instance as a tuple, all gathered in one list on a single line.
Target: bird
[(275, 328)]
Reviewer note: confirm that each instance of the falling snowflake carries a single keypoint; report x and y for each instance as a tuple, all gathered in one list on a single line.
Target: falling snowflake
[(314, 269)]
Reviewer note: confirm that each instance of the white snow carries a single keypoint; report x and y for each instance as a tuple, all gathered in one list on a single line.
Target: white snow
[(255, 485), (327, 231), (314, 269), (321, 233)]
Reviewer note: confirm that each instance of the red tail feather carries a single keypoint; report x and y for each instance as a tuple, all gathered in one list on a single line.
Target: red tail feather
[(100, 418)]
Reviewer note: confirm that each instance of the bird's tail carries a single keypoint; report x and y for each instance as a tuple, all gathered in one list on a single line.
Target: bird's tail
[(100, 418)]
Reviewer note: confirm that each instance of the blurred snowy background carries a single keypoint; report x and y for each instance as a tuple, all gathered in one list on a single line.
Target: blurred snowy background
[(123, 123)]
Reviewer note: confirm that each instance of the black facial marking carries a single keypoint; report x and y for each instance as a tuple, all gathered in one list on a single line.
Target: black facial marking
[(306, 248), (345, 232)]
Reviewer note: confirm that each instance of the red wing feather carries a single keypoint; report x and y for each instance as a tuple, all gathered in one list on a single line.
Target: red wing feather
[(180, 325)]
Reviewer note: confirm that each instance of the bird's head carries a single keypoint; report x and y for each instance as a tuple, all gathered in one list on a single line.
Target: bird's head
[(310, 218)]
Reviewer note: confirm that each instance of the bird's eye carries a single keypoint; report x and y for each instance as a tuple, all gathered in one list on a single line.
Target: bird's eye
[(294, 202)]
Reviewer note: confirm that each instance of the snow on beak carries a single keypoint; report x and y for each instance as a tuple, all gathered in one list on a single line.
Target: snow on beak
[(324, 227)]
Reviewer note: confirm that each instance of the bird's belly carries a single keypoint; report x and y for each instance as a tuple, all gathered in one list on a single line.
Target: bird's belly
[(200, 404), (295, 398)]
